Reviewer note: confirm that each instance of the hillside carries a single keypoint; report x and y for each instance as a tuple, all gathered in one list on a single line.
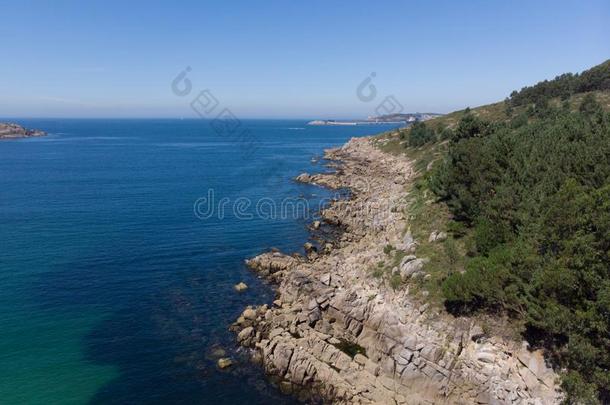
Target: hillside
[(522, 190)]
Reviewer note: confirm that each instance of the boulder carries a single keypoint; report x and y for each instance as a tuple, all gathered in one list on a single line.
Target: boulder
[(437, 236), (244, 337), (411, 268), (485, 356), (241, 286), (408, 242), (225, 362), (407, 259), (271, 262), (309, 247), (303, 178), (314, 315), (360, 359), (249, 314)]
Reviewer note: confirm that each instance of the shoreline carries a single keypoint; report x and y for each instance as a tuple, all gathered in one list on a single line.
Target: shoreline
[(337, 333), (352, 123)]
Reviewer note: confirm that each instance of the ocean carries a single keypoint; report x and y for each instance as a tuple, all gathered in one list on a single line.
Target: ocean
[(121, 242)]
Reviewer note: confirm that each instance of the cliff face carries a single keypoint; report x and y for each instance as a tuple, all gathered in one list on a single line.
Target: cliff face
[(11, 131), (339, 334)]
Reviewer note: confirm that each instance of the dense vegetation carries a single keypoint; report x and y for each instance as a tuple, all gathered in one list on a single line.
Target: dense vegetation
[(420, 134), (533, 191), (596, 78)]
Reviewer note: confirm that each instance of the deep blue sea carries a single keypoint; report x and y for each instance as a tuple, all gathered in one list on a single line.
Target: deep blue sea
[(113, 289)]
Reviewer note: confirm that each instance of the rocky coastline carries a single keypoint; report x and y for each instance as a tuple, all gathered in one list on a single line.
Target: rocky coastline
[(13, 131), (337, 334)]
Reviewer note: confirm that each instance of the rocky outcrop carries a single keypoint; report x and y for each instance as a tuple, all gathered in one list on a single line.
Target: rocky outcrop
[(240, 287), (12, 131), (337, 333), (272, 265), (436, 236)]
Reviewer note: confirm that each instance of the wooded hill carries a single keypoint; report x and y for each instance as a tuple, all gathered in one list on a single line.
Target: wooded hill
[(525, 188)]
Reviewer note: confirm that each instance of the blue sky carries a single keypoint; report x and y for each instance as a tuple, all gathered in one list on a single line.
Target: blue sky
[(280, 59)]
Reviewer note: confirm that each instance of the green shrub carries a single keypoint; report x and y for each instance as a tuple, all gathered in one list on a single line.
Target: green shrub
[(420, 134), (446, 134), (536, 195), (350, 348), (589, 105), (395, 281), (596, 78), (451, 251), (457, 229)]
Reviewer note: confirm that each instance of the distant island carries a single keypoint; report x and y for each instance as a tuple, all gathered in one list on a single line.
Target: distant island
[(382, 119), (12, 131)]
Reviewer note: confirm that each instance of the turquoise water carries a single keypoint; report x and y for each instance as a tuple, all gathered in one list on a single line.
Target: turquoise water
[(112, 290)]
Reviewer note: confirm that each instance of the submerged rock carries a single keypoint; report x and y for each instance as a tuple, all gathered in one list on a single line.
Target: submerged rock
[(241, 286), (225, 362), (217, 351)]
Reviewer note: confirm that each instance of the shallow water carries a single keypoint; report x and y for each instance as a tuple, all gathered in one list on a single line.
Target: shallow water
[(112, 289)]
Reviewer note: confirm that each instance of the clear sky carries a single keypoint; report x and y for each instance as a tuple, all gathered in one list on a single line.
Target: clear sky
[(286, 58)]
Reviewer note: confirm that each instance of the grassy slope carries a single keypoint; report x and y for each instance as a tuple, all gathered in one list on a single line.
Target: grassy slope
[(427, 215)]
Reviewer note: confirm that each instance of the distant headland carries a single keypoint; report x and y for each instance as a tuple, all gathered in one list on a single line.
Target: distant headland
[(12, 131), (382, 119)]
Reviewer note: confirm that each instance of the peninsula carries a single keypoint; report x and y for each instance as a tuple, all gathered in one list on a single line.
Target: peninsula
[(404, 119)]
